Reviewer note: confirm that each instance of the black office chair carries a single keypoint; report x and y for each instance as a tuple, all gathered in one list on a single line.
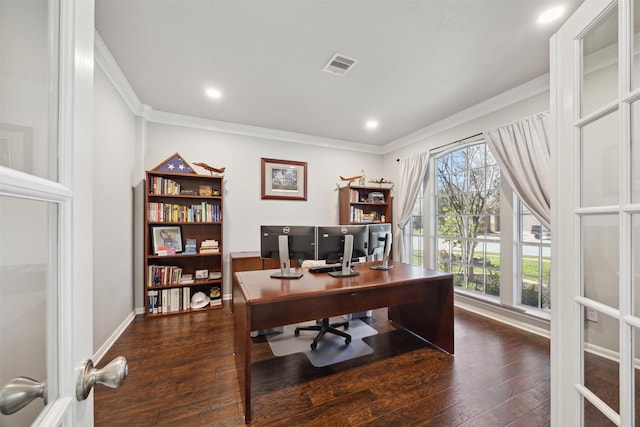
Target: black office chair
[(323, 328)]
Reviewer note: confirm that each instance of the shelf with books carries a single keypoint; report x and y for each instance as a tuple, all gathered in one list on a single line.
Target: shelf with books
[(183, 216), (163, 301), (364, 204)]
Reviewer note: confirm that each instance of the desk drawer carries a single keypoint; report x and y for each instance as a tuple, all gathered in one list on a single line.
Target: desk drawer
[(338, 303)]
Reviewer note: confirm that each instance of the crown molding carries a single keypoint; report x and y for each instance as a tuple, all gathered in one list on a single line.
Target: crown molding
[(108, 64), (524, 91), (164, 117)]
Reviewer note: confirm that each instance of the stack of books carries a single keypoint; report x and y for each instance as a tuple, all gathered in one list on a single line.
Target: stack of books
[(190, 246), (209, 246)]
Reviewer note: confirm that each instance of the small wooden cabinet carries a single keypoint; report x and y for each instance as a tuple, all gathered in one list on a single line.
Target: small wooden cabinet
[(187, 210), (364, 204), (250, 261)]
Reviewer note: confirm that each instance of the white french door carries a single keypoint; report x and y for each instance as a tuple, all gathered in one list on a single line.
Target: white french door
[(46, 137), (595, 102)]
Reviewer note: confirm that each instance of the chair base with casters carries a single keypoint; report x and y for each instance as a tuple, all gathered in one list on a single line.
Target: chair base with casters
[(323, 329)]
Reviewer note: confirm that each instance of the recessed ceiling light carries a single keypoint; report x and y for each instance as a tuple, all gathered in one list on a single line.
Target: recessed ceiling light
[(551, 14), (371, 124), (214, 93)]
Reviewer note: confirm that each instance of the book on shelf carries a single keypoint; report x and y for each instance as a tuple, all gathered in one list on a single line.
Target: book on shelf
[(174, 304), (209, 246), (152, 302), (168, 300), (186, 298), (162, 275), (168, 212), (165, 301), (186, 279), (159, 186), (189, 247)]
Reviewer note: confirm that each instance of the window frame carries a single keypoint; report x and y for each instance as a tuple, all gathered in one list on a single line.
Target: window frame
[(520, 212), (509, 238), (484, 240)]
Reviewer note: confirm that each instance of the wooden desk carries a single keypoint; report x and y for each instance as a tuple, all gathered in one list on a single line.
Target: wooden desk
[(419, 300), (250, 260)]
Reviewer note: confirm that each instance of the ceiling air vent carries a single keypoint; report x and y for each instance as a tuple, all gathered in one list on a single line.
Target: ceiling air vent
[(339, 64)]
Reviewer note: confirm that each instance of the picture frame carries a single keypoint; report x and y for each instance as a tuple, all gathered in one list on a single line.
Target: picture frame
[(167, 237), (284, 179)]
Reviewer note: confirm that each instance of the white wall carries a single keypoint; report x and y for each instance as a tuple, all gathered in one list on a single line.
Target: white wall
[(244, 211), (115, 140)]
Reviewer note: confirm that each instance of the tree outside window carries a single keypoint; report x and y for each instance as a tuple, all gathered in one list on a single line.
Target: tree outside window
[(468, 218)]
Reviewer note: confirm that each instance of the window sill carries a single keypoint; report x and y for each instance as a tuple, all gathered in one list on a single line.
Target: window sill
[(531, 320), (534, 312)]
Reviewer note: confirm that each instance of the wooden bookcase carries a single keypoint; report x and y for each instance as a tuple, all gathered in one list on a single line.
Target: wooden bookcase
[(364, 204), (193, 203)]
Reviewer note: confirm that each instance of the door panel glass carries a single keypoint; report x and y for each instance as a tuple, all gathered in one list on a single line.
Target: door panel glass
[(28, 87), (27, 276), (636, 374), (601, 366), (599, 162), (600, 258), (600, 64), (635, 46), (635, 266), (594, 418), (635, 150)]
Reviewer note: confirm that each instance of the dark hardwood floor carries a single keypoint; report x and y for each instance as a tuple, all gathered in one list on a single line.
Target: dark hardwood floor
[(182, 372)]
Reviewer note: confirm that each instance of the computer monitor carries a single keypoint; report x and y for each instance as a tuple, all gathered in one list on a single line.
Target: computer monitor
[(334, 245), (287, 242), (380, 239), (377, 233)]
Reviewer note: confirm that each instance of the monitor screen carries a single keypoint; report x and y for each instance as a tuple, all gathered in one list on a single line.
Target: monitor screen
[(301, 241), (330, 243), (377, 233)]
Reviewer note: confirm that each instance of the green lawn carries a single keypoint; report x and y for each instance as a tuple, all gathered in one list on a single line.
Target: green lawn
[(529, 265)]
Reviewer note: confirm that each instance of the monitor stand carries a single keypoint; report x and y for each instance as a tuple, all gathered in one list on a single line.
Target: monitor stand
[(285, 263), (346, 271), (385, 258)]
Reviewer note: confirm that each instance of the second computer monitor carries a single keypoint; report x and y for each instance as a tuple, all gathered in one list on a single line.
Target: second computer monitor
[(377, 237), (330, 241)]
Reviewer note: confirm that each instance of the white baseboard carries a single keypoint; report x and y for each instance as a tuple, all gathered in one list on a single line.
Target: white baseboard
[(97, 356), (608, 354), (503, 315)]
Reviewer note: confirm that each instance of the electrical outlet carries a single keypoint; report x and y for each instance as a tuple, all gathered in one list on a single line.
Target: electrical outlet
[(591, 314)]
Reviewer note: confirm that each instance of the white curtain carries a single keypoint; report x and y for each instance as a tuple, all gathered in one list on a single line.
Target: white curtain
[(522, 150), (412, 172)]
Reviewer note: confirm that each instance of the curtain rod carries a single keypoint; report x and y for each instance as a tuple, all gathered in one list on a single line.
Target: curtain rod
[(451, 143)]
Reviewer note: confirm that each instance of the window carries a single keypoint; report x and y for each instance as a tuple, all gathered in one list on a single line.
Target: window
[(534, 255), (417, 227), (467, 222), (480, 231)]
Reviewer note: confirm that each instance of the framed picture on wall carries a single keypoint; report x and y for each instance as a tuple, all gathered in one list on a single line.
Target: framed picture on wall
[(167, 239), (284, 179)]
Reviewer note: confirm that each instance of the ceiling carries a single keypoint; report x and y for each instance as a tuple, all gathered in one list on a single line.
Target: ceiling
[(418, 61)]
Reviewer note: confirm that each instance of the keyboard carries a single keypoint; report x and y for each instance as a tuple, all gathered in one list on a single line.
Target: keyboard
[(325, 268)]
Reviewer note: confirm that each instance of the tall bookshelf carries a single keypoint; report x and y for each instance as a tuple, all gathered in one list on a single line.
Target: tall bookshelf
[(183, 239), (364, 204)]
